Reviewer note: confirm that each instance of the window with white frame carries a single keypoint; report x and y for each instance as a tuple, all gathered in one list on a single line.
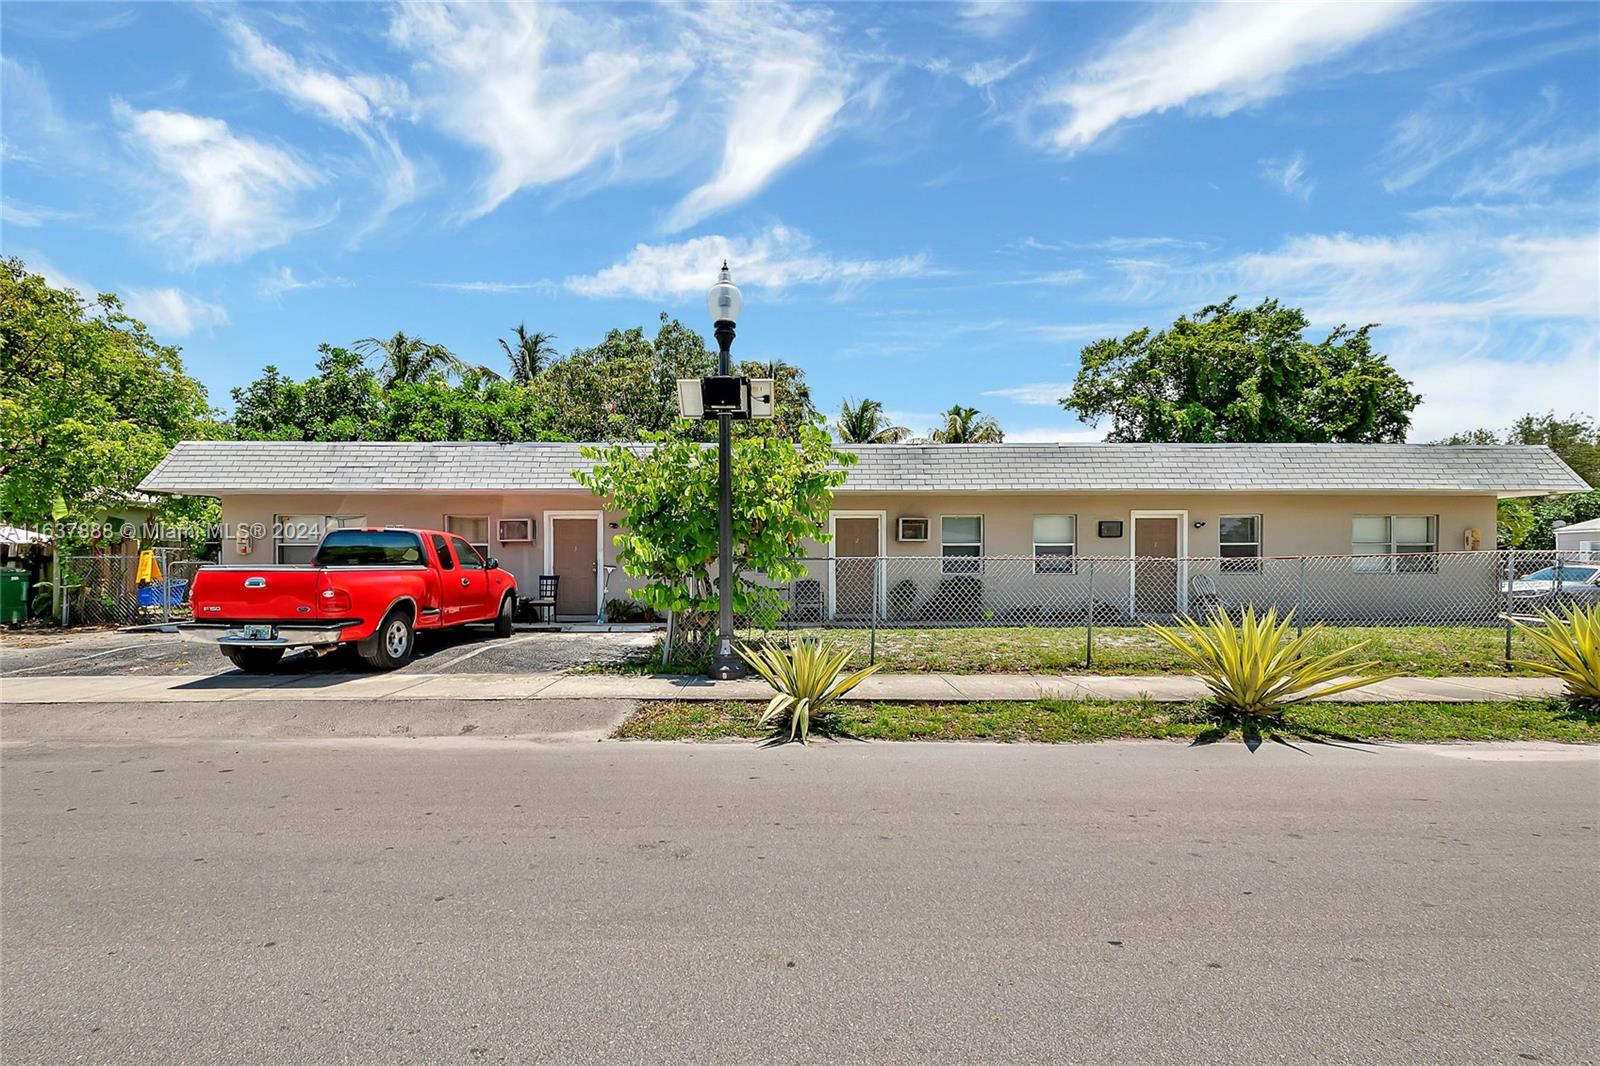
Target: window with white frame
[(296, 536), (472, 528), (1239, 542), (1055, 541), (961, 543), (1395, 544)]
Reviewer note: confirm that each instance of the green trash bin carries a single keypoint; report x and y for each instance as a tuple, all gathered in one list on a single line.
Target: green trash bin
[(13, 597)]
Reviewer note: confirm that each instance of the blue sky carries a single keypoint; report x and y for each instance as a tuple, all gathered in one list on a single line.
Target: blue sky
[(926, 204)]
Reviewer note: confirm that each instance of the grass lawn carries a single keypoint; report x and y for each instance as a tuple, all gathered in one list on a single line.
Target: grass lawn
[(1427, 651), (1068, 721)]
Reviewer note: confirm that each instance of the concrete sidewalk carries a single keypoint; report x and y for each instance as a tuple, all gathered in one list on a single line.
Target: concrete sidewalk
[(920, 688)]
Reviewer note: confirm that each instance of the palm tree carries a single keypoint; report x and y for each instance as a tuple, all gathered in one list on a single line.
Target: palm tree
[(965, 425), (406, 360), (529, 355), (865, 423)]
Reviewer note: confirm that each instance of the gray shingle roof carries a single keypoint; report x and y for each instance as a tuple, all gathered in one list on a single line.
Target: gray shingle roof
[(228, 467)]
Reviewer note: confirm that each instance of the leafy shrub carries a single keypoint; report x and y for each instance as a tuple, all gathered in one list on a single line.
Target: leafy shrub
[(39, 597), (1253, 670), (902, 599), (1573, 639), (623, 610), (807, 679), (957, 599)]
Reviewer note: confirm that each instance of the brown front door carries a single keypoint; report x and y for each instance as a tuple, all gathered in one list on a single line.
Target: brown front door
[(1155, 577), (572, 546), (855, 571)]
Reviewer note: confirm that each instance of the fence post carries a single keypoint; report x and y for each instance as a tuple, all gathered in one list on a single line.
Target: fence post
[(872, 646), (166, 585), (1088, 643), (1509, 569), (1300, 605)]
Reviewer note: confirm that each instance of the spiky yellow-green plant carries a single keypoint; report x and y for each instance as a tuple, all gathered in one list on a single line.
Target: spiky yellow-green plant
[(806, 678), (1573, 639), (1256, 669)]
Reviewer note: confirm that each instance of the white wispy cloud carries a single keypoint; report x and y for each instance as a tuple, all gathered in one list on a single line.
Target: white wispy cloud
[(1033, 394), (218, 195), (1427, 139), (1213, 60), (777, 258), (991, 18), (495, 287), (783, 86), (1290, 177), (544, 93), (348, 101), (17, 213), (283, 280), (360, 104), (172, 311), (1054, 435), (1527, 170)]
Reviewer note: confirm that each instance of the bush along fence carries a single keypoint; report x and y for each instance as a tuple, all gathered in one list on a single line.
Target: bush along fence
[(106, 589), (1483, 590)]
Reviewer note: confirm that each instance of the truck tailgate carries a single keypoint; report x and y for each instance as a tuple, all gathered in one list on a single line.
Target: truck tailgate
[(247, 594)]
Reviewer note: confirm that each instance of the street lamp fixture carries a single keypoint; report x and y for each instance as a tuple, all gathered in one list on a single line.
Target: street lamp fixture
[(724, 303)]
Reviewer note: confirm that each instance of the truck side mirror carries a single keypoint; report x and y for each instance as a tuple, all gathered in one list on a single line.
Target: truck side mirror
[(492, 564)]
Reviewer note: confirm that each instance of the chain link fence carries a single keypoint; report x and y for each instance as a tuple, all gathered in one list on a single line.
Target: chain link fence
[(898, 595), (105, 589)]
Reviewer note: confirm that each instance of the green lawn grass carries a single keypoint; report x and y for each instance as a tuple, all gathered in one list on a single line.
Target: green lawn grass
[(1071, 721), (1427, 651)]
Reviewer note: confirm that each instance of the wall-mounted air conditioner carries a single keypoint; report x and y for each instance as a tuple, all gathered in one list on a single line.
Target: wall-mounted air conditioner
[(912, 530)]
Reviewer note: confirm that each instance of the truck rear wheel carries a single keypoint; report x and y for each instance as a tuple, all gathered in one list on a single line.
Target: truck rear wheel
[(254, 660), (502, 621), (391, 646)]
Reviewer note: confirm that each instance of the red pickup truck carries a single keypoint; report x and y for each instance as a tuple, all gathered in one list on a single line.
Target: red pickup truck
[(373, 588)]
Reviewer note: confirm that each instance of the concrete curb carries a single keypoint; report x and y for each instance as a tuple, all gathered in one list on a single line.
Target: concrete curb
[(919, 688)]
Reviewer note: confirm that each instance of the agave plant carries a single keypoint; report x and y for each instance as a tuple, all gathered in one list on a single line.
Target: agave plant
[(806, 679), (1573, 640), (1255, 669)]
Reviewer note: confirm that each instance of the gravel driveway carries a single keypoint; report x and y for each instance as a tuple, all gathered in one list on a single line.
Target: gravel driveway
[(473, 650)]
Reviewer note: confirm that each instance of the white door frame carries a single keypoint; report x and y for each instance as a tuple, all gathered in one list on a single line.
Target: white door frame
[(1182, 597), (599, 518), (883, 522)]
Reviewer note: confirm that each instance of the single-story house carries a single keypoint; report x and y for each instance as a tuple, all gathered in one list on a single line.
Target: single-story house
[(1580, 537), (932, 511)]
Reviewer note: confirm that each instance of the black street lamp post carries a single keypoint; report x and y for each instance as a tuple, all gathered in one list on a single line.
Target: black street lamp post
[(724, 301)]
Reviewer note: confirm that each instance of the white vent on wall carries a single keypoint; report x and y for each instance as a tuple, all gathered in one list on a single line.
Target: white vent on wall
[(912, 530)]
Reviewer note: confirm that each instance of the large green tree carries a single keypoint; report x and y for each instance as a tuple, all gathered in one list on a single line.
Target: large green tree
[(782, 490), (527, 353), (626, 387), (1232, 374), (404, 359), (89, 401), (865, 423), (967, 425), (345, 400)]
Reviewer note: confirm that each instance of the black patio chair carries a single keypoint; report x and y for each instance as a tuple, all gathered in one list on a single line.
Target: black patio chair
[(545, 601)]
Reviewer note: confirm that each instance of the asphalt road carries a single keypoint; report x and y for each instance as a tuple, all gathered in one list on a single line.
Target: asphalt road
[(473, 900), (472, 649)]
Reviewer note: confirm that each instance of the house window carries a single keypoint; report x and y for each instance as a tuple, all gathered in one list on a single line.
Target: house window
[(297, 535), (1240, 536), (1055, 540), (474, 529), (961, 543), (1395, 544)]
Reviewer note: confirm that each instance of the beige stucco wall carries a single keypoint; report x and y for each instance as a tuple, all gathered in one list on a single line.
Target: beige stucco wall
[(1292, 524)]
